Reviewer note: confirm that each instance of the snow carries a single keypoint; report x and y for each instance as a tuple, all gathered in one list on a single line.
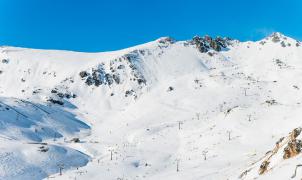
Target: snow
[(219, 118)]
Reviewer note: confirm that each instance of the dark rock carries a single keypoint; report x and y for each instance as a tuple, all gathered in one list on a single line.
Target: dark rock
[(97, 82), (68, 96), (121, 67), (109, 79), (141, 81), (128, 93), (55, 101), (170, 88), (280, 63), (215, 46), (43, 149), (37, 91), (89, 81), (275, 37), (75, 140), (262, 42), (200, 44), (83, 74), (263, 167), (271, 102), (142, 52), (5, 61), (283, 44), (116, 78), (210, 54), (61, 95), (296, 132), (166, 40)]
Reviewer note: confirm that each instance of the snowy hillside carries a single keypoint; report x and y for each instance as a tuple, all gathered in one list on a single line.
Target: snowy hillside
[(198, 109)]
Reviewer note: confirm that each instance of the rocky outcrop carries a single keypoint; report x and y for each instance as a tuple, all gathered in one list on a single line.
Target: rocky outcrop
[(166, 40), (206, 43), (62, 95), (292, 149), (55, 101), (276, 37), (286, 147), (294, 145), (263, 167), (100, 75), (124, 70)]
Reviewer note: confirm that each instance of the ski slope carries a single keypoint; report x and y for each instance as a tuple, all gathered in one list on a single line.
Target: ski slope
[(196, 109)]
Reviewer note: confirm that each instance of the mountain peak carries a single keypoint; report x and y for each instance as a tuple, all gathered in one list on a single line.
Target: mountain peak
[(166, 39), (277, 37), (274, 34)]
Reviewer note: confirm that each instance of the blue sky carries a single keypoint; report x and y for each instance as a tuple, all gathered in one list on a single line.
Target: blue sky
[(102, 25)]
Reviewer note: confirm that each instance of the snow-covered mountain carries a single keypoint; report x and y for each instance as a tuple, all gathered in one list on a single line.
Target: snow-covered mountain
[(206, 108)]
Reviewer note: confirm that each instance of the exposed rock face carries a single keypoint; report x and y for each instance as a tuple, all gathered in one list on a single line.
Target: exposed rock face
[(294, 146), (83, 74), (166, 40), (263, 167), (55, 101), (283, 44), (100, 75), (280, 64), (295, 133), (292, 149), (61, 94), (124, 71), (276, 37), (298, 43), (291, 145), (206, 43)]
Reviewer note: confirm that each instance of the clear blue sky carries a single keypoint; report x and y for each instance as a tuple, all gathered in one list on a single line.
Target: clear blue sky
[(102, 25)]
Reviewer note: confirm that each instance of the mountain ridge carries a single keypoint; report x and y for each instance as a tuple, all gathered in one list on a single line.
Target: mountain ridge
[(140, 45)]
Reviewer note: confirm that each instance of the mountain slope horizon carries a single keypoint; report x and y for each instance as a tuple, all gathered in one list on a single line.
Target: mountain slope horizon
[(142, 44)]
